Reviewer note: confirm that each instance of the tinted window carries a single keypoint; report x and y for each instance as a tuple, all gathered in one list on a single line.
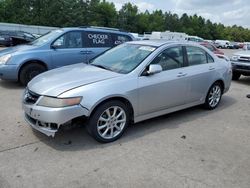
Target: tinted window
[(98, 40), (69, 40), (196, 56), (209, 58), (171, 58), (119, 39)]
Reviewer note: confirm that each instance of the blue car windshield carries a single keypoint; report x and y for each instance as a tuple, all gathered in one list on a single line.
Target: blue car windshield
[(47, 37), (123, 58)]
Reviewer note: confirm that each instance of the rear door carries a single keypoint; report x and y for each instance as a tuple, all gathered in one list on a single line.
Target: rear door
[(96, 43), (68, 49), (201, 71), (118, 38)]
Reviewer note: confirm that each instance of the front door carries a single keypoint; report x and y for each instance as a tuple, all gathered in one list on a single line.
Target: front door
[(166, 89), (68, 49)]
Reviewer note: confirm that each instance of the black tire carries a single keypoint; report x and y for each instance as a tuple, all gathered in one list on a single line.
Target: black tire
[(207, 103), (92, 125), (236, 76), (30, 71)]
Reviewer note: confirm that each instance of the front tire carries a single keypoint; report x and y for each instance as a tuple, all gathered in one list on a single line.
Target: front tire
[(109, 121), (30, 71), (236, 76), (213, 96)]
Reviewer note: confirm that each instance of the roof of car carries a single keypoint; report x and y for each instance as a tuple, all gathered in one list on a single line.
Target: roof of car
[(110, 30), (160, 42)]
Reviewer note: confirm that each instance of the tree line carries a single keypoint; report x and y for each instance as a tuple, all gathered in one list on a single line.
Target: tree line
[(70, 13)]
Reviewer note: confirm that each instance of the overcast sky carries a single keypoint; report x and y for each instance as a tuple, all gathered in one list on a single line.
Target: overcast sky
[(228, 12)]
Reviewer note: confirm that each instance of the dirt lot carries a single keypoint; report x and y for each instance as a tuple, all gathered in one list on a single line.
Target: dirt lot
[(191, 148)]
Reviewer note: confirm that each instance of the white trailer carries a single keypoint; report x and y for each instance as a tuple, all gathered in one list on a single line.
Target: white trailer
[(167, 35)]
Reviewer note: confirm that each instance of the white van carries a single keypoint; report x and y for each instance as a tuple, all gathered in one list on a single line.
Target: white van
[(222, 43)]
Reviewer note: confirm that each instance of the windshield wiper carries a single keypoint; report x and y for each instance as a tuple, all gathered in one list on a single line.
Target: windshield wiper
[(102, 67)]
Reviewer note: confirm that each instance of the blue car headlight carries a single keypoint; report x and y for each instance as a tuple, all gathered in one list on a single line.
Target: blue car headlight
[(4, 59)]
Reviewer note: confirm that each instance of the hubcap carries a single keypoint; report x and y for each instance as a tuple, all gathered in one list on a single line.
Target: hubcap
[(111, 123), (214, 96)]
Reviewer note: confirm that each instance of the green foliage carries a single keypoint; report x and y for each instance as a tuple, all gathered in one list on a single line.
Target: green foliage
[(69, 13)]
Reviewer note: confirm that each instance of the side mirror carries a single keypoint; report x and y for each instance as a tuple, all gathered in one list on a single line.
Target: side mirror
[(55, 46), (154, 69)]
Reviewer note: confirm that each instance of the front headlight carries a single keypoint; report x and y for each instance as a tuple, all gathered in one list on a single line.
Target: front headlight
[(4, 59), (59, 102), (235, 58)]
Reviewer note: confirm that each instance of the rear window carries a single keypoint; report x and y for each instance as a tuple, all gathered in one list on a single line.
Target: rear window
[(196, 56), (98, 40), (119, 39)]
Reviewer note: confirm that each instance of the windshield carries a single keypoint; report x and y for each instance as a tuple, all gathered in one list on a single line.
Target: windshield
[(47, 37), (123, 58)]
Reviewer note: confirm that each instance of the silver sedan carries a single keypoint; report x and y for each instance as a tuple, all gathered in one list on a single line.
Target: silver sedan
[(127, 84)]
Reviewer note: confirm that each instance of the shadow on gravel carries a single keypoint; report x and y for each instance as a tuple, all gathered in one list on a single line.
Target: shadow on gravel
[(244, 81), (10, 85), (77, 138)]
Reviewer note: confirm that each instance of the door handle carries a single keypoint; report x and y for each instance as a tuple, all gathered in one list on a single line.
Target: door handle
[(180, 74), (86, 52), (83, 52), (211, 68)]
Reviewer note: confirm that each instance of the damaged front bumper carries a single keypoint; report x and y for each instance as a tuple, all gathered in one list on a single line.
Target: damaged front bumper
[(48, 120)]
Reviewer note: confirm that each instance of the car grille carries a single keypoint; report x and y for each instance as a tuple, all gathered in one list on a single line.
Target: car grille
[(30, 97), (242, 67), (244, 59)]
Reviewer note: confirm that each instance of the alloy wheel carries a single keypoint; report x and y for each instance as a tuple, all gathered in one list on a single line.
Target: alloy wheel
[(214, 96), (111, 122)]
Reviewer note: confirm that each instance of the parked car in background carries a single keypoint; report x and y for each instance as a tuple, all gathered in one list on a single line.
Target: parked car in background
[(246, 46), (230, 45), (194, 39), (130, 83), (222, 43), (235, 45), (241, 44), (13, 38), (212, 48), (241, 64), (58, 48)]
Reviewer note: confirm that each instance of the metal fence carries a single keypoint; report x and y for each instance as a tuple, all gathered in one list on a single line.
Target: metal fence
[(40, 30)]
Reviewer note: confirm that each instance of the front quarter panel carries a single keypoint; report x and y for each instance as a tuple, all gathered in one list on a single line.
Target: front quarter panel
[(94, 94)]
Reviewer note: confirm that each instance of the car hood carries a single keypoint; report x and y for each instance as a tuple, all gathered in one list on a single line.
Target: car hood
[(58, 81), (245, 53), (18, 48)]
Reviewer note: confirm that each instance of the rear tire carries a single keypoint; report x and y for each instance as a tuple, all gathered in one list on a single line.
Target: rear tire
[(213, 96), (109, 121), (236, 76), (28, 72)]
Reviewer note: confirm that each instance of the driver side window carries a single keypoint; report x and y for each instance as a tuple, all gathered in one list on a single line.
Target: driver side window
[(171, 58), (69, 40)]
